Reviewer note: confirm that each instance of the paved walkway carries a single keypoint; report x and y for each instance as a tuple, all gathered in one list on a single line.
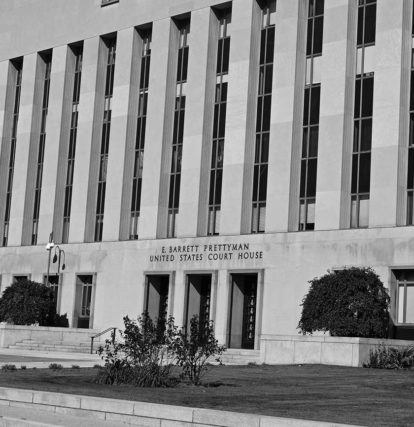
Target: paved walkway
[(42, 359)]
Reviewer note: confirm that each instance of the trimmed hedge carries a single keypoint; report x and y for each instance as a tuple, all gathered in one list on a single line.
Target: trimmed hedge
[(26, 302), (351, 303)]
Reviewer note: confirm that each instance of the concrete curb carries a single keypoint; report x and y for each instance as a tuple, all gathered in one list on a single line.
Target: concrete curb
[(141, 413)]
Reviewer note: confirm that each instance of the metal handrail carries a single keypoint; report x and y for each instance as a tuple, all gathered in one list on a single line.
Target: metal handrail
[(113, 329)]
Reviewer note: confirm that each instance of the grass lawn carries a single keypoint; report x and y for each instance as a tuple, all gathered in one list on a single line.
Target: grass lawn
[(327, 393)]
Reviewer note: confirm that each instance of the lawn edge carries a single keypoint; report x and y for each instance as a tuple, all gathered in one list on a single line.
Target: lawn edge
[(135, 412)]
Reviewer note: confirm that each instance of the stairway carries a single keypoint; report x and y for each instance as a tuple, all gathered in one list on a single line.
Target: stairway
[(59, 346), (233, 356)]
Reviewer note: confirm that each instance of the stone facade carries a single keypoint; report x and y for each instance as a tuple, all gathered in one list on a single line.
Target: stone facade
[(281, 260)]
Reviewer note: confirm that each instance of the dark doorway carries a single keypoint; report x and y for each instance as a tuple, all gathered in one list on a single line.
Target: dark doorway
[(198, 298), (84, 301), (243, 300), (156, 296)]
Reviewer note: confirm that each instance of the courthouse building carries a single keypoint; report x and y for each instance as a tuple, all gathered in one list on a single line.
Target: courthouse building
[(206, 157)]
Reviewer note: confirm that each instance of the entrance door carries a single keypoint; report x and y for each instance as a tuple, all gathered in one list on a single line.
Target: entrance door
[(243, 298), (198, 298), (54, 284), (84, 301), (156, 296)]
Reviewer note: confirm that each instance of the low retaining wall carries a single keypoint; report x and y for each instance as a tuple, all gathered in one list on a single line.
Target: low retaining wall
[(325, 350), (12, 334), (141, 413)]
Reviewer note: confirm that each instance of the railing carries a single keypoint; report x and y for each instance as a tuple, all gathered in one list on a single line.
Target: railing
[(113, 334)]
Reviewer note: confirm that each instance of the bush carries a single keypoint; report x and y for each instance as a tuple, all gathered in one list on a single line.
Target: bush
[(142, 359), (390, 358), (26, 302), (55, 366), (9, 367), (351, 303), (192, 349)]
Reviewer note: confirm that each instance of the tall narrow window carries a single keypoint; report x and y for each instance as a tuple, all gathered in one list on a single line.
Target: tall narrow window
[(264, 101), (47, 58), (219, 124), (309, 157), (364, 93), (177, 142), (361, 153), (367, 11), (140, 136), (106, 129), (410, 174), (78, 52), (17, 72)]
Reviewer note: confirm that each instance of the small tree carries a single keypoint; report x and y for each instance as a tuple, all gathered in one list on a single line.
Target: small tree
[(140, 358), (352, 303), (192, 349), (26, 302)]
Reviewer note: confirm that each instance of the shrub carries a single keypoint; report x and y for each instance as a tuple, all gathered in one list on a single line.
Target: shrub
[(390, 358), (26, 302), (75, 367), (23, 367), (9, 367), (55, 366), (192, 349), (352, 303), (141, 359)]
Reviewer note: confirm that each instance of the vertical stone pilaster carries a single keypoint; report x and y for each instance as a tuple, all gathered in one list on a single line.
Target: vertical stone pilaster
[(118, 136), (240, 121), (288, 81), (24, 133), (198, 120), (332, 115), (7, 82), (386, 112), (84, 139), (222, 306), (51, 155), (160, 117)]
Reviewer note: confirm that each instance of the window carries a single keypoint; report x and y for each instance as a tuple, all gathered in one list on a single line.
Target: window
[(178, 133), (17, 278), (16, 69), (219, 123), (309, 159), (140, 135), (410, 169), (85, 290), (264, 101), (367, 11), (47, 59), (405, 296), (361, 152), (315, 28), (106, 130), (78, 53)]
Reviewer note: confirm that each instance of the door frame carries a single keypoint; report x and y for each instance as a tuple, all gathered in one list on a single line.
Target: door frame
[(259, 303)]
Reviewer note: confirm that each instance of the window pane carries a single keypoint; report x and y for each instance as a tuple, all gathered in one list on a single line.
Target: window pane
[(357, 98), (366, 134), (409, 314), (314, 113), (309, 37), (364, 211), (370, 23), (354, 174), (270, 44), (401, 304), (367, 96), (364, 172), (360, 25), (311, 187), (410, 175), (318, 36), (313, 141)]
